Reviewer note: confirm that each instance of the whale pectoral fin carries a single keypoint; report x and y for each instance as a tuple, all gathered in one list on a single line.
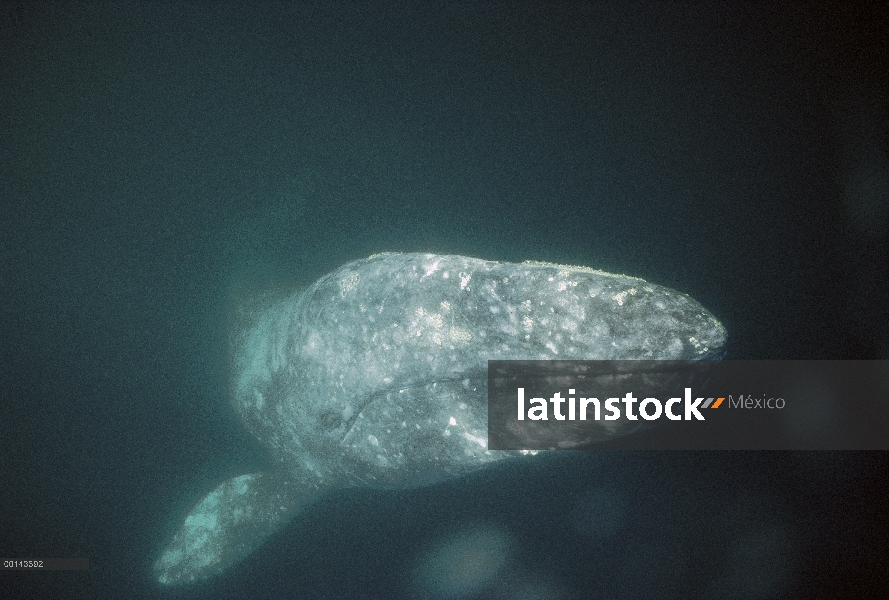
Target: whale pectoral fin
[(229, 523)]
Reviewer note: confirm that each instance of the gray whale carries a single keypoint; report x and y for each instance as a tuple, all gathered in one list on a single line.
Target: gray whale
[(376, 376)]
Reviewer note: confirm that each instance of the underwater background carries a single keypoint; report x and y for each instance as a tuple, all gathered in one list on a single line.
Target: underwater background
[(162, 164)]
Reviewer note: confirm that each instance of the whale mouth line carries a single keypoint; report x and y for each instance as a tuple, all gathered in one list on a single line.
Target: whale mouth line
[(369, 399), (702, 362)]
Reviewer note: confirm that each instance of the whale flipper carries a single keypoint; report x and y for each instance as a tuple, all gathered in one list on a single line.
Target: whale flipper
[(230, 522)]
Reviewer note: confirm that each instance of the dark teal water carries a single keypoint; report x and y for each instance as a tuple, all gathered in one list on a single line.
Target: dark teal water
[(161, 164)]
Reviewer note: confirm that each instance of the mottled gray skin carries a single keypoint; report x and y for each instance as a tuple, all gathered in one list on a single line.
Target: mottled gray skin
[(376, 376)]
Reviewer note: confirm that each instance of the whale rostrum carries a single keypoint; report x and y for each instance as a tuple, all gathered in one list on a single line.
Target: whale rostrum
[(375, 376)]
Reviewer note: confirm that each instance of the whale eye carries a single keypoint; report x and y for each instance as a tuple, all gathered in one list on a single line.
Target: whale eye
[(330, 420)]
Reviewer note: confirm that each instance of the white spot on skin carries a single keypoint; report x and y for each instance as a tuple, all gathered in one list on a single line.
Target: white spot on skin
[(460, 335), (452, 421), (348, 283), (478, 440), (432, 269), (373, 440), (464, 280)]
